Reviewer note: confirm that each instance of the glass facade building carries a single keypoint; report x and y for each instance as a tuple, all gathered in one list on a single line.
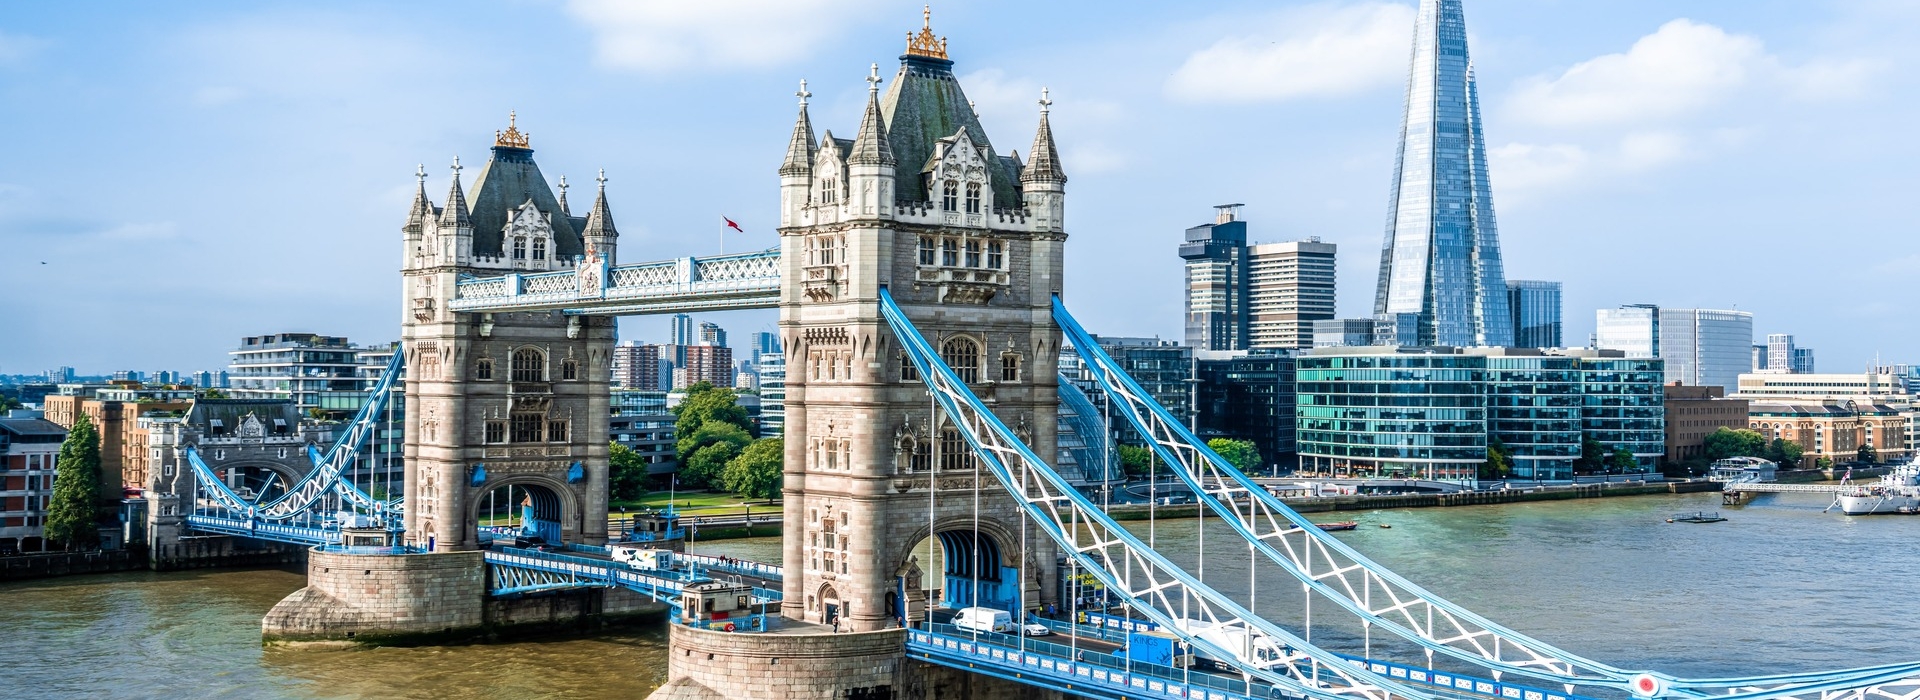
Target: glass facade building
[(1432, 412), (1441, 258), (1249, 397), (1535, 306), (1702, 347), (1217, 280)]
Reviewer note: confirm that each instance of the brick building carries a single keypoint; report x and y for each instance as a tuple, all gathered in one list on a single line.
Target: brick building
[(116, 411), (1834, 429), (1693, 413), (28, 448)]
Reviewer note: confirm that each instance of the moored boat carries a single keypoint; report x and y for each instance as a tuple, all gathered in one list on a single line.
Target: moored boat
[(1335, 527)]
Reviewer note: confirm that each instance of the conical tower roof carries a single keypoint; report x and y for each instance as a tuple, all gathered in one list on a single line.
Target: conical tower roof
[(422, 207), (1046, 159), (600, 218), (870, 146), (456, 213), (802, 148)]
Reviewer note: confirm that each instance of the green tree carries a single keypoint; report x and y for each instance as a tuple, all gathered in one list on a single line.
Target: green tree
[(1593, 456), (213, 394), (1133, 460), (706, 403), (8, 402), (756, 472), (1499, 462), (1243, 455), (626, 473), (707, 451), (72, 513), (1823, 463), (1866, 453), (1727, 442), (1622, 461), (1784, 452)]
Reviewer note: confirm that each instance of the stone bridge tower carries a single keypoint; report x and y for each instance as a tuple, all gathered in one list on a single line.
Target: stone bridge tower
[(502, 399), (969, 242)]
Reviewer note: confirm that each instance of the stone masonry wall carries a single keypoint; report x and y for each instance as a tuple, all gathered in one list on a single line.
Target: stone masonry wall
[(782, 666), (374, 598)]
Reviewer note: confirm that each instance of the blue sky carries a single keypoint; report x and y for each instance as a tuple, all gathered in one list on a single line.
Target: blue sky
[(190, 174)]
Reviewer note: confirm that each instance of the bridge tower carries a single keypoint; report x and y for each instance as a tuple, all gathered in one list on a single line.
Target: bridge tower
[(513, 398), (969, 242)]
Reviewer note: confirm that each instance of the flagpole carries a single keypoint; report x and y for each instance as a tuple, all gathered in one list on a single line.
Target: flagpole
[(723, 236)]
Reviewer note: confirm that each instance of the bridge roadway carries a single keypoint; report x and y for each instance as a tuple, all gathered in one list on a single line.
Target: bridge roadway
[(1090, 661)]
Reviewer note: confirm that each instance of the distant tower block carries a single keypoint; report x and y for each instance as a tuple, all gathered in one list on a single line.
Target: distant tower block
[(969, 241), (503, 399)]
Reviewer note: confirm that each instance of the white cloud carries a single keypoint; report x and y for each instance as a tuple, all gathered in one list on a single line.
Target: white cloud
[(1523, 166), (1315, 51), (1830, 78), (665, 35), (1678, 69)]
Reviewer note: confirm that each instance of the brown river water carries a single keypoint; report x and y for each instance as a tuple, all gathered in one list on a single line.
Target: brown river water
[(1779, 587)]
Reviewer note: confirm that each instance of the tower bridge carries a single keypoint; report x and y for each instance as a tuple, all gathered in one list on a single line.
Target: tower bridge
[(919, 284)]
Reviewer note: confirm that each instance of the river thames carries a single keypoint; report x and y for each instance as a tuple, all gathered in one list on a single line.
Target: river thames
[(1779, 587)]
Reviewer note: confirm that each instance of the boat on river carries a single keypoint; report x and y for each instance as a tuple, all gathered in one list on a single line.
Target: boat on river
[(1339, 526), (1897, 492), (1699, 516)]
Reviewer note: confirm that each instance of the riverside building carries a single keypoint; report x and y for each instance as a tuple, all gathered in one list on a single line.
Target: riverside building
[(1427, 412), (1702, 347)]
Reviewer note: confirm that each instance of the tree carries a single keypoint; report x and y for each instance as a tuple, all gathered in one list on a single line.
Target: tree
[(706, 403), (72, 513), (626, 473), (756, 472), (1823, 463), (1593, 456), (1499, 462), (1727, 442), (1866, 453), (1243, 455), (213, 394), (8, 402), (1134, 460), (706, 452), (1622, 461), (1785, 453)]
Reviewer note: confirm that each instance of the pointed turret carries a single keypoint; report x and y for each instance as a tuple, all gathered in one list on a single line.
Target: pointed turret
[(1045, 166), (599, 233), (870, 146), (801, 148), (1043, 185), (456, 214), (422, 207)]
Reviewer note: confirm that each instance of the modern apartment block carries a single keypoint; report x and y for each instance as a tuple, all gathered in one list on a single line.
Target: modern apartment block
[(705, 363), (1248, 396), (1701, 347), (773, 393), (116, 412), (636, 366), (1781, 356), (293, 365), (1535, 305), (1290, 287), (28, 448), (712, 334), (1216, 256)]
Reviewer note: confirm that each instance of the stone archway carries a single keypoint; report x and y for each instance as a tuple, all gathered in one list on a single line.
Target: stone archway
[(831, 606), (524, 507), (962, 570)]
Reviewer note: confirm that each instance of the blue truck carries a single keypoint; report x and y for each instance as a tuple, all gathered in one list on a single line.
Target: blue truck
[(1160, 648)]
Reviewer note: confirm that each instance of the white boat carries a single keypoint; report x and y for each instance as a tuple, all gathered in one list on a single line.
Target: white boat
[(1897, 492)]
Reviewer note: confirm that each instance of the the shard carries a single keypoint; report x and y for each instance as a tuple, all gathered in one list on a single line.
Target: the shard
[(1441, 260)]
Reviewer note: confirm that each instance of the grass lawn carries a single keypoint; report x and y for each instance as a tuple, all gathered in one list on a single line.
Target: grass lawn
[(696, 503)]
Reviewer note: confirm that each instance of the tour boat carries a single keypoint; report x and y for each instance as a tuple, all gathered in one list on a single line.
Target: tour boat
[(1696, 517), (1899, 489), (1335, 527)]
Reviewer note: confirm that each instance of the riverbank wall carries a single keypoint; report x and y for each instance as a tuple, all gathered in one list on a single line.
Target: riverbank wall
[(1443, 500), (23, 567)]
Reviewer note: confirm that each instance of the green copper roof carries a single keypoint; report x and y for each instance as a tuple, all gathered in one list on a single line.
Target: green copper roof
[(505, 182), (925, 104)]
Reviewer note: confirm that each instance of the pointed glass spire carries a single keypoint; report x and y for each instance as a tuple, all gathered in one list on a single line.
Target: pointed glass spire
[(1441, 258)]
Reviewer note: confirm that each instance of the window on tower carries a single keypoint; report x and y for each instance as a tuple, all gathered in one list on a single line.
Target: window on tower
[(994, 250), (519, 248), (963, 355), (973, 253), (949, 252), (527, 427), (529, 365), (973, 198), (950, 196), (539, 248)]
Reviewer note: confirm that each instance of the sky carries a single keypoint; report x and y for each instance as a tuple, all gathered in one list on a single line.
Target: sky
[(184, 175)]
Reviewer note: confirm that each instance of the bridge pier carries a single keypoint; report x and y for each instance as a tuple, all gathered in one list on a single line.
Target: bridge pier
[(810, 661)]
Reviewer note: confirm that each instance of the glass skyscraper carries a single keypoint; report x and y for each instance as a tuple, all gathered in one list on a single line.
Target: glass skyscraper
[(1536, 313), (1441, 258), (1702, 347)]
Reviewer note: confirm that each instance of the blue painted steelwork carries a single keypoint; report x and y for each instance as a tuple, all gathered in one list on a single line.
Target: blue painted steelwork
[(1140, 576), (288, 532), (1329, 567), (1091, 455), (737, 281)]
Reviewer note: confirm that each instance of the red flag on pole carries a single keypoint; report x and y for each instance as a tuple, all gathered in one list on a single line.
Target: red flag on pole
[(732, 225)]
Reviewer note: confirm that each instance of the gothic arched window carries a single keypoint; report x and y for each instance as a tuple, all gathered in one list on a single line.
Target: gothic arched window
[(973, 198), (529, 365), (950, 196), (519, 248), (954, 453), (569, 370), (539, 248), (963, 355), (483, 369), (827, 190)]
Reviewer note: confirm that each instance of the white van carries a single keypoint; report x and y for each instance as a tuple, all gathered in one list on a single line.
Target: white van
[(984, 620)]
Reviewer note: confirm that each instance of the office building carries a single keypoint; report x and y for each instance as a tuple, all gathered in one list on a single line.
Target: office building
[(1290, 287), (1441, 258), (1701, 347), (1782, 356), (682, 332), (1163, 368), (1248, 396), (765, 342), (642, 423), (28, 449), (1216, 256), (637, 366), (293, 365), (1883, 386), (705, 363), (1343, 332), (1535, 306), (1693, 413), (713, 334), (1428, 412), (773, 393), (60, 375)]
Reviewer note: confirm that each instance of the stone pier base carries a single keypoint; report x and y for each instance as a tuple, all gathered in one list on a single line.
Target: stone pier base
[(803, 661)]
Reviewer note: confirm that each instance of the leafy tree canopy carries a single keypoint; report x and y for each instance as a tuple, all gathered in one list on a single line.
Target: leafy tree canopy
[(74, 509), (705, 453), (626, 473), (1243, 455), (756, 472), (1729, 442), (1133, 460), (706, 403)]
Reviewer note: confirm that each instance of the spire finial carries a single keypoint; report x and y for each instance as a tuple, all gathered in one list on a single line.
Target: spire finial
[(420, 173), (511, 138), (602, 179), (803, 94), (925, 43), (563, 185), (873, 79), (456, 167), (1045, 101)]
